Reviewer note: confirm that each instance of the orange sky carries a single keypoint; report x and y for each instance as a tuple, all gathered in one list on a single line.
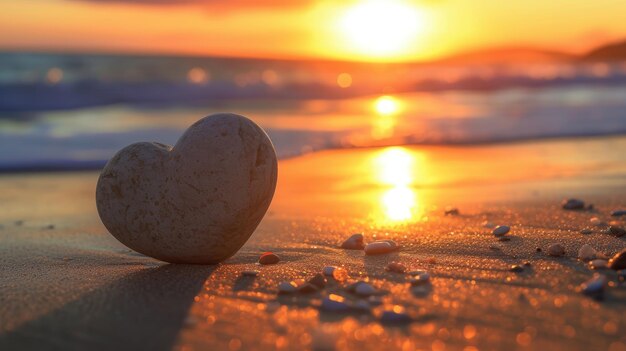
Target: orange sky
[(343, 29)]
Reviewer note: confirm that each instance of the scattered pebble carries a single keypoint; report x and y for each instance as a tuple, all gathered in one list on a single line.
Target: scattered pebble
[(586, 253), (380, 247), (516, 268), (618, 213), (504, 238), (268, 258), (594, 286), (599, 264), (489, 225), (375, 300), (617, 231), (556, 250), (573, 204), (328, 270), (334, 303), (586, 231), (618, 262), (340, 274), (527, 264), (355, 242), (19, 222), (431, 260), (451, 211), (396, 315), (49, 226), (421, 279), (250, 273), (501, 230), (538, 249), (364, 289), (307, 288), (318, 280), (287, 288), (396, 267), (597, 222)]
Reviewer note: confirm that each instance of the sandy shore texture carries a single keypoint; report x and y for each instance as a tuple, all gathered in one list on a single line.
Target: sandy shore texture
[(66, 284)]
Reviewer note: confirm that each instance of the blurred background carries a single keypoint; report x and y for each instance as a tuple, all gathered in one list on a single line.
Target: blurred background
[(80, 79)]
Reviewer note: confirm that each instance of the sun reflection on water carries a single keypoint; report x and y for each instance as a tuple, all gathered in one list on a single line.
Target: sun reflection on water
[(395, 167), (384, 122)]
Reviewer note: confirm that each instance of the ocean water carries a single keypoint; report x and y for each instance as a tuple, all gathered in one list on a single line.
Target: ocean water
[(64, 111)]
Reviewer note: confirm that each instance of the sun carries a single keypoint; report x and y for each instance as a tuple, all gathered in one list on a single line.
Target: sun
[(382, 28)]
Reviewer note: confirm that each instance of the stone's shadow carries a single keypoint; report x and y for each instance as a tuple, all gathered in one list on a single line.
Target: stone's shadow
[(144, 310), (243, 283)]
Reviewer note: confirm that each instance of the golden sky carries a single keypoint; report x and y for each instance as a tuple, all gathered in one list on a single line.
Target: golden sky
[(393, 30)]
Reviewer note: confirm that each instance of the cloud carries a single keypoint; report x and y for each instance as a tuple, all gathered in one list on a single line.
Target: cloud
[(275, 4)]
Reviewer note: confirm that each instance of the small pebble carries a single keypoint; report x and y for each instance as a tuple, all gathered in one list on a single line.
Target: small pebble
[(594, 286), (19, 222), (287, 288), (516, 268), (355, 242), (268, 258), (599, 264), (617, 231), (251, 273), (527, 264), (586, 253), (504, 238), (421, 279), (340, 274), (328, 270), (431, 260), (417, 272), (318, 280), (489, 225), (586, 231), (501, 230), (556, 250), (334, 303), (364, 289), (451, 211), (396, 315), (573, 204), (618, 262), (375, 300), (49, 226), (538, 249), (396, 267), (380, 247), (618, 213)]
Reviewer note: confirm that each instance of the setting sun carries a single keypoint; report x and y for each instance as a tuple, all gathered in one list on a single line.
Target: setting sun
[(382, 28)]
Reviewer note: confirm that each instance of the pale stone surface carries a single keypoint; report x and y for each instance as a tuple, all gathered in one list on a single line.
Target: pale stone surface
[(196, 202)]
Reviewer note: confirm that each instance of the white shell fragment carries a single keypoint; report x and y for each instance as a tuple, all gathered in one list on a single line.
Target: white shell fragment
[(501, 230), (197, 202), (380, 247)]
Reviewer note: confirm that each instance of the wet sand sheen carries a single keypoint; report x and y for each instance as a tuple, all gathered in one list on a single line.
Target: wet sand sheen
[(74, 286)]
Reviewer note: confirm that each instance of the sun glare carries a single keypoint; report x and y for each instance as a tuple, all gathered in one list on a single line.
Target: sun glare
[(394, 168), (382, 28)]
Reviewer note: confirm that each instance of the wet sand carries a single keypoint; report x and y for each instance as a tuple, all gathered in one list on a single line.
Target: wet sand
[(65, 283)]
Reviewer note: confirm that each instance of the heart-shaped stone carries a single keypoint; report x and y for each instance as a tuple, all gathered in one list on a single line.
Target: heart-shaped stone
[(196, 202)]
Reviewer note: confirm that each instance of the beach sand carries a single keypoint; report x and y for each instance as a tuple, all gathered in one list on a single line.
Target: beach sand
[(66, 284)]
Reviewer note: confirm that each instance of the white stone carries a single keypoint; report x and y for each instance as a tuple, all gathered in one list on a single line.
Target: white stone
[(380, 247), (196, 202), (599, 264), (501, 230), (586, 253)]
